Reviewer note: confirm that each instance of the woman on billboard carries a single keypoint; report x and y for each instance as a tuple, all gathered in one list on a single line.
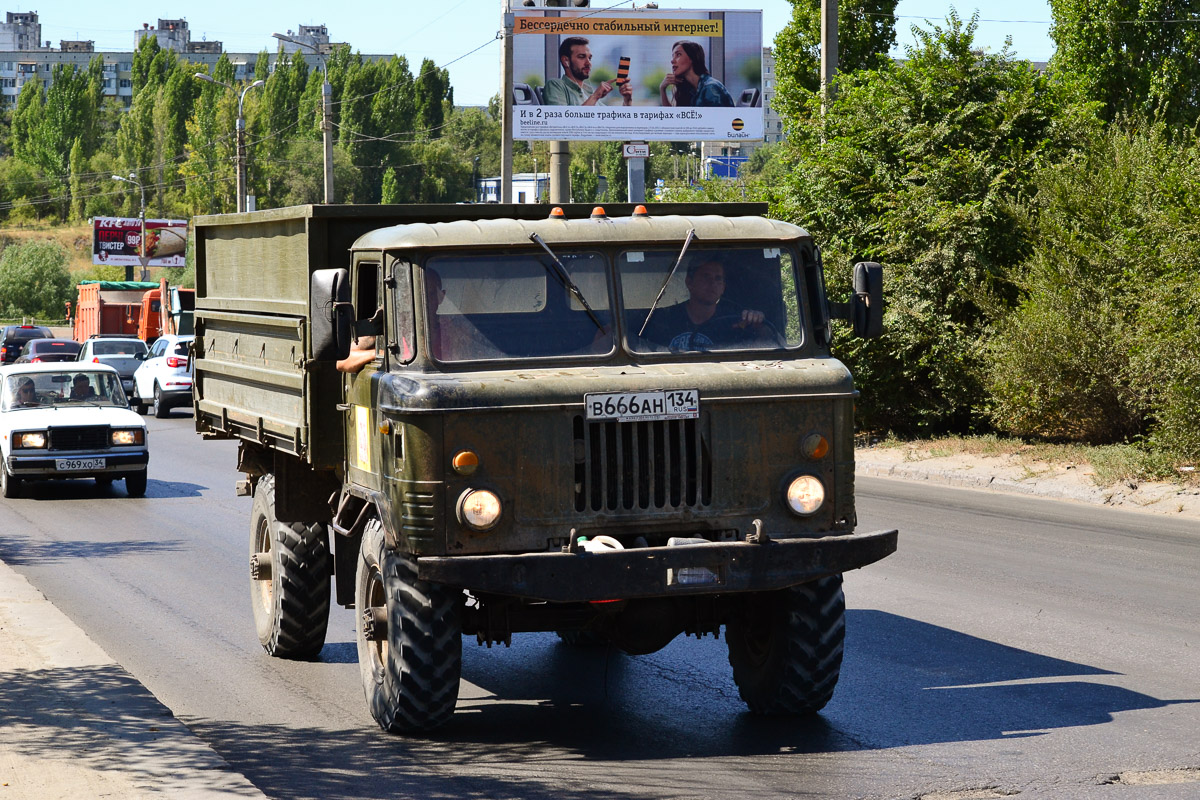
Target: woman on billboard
[(694, 86)]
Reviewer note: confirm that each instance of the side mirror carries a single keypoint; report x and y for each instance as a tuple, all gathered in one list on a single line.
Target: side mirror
[(330, 314), (867, 304)]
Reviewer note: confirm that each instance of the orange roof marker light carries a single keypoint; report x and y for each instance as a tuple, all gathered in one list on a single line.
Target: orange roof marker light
[(598, 213), (557, 213), (640, 211)]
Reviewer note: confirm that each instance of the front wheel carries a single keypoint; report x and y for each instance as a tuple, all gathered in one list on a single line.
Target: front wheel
[(785, 647), (409, 639), (135, 483), (10, 486), (161, 409), (135, 401), (289, 579)]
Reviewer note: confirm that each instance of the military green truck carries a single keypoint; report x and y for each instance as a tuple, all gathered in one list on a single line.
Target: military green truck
[(620, 427)]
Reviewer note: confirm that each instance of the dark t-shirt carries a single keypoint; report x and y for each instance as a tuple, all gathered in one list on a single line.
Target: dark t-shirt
[(672, 328)]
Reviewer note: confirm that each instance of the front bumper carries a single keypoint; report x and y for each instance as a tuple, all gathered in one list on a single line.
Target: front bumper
[(46, 465), (657, 571)]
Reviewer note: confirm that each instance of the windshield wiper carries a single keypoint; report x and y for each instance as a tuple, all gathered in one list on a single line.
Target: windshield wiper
[(565, 279), (686, 244)]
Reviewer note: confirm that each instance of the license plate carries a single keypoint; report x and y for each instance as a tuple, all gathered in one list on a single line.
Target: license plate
[(662, 404), (75, 464)]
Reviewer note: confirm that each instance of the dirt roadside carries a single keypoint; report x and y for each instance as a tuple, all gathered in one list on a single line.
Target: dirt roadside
[(1018, 474)]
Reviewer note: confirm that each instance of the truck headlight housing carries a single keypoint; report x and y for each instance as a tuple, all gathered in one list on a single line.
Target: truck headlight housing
[(30, 440), (479, 509), (127, 436), (805, 495)]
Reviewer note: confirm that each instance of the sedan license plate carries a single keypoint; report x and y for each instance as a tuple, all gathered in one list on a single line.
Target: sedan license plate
[(652, 406), (76, 464)]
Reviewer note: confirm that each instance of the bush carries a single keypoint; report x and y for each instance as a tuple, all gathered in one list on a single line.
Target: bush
[(34, 280), (1105, 346)]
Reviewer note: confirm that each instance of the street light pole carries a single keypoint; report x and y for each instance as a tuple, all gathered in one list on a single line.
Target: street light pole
[(326, 111), (241, 137), (142, 217)]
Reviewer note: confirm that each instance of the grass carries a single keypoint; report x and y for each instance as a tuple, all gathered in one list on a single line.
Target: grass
[(1110, 463)]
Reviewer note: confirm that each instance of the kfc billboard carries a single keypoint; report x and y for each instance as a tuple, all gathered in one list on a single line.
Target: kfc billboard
[(650, 75), (118, 241)]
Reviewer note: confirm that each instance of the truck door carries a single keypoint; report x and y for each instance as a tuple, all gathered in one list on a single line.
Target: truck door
[(363, 454)]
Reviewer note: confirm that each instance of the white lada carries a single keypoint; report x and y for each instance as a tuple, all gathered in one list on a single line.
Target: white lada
[(69, 420)]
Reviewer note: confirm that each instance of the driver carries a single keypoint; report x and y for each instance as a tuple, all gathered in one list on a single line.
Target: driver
[(81, 388), (705, 320), (26, 395)]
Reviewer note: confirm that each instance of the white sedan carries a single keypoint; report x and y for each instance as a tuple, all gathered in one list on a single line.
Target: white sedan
[(69, 420)]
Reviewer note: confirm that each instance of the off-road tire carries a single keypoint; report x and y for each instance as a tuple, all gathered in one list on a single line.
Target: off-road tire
[(786, 647), (410, 675), (135, 483), (291, 607), (10, 485), (160, 408)]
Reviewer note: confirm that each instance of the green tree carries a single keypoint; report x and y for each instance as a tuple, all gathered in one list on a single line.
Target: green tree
[(1130, 55), (866, 33), (918, 166), (34, 279), (78, 168)]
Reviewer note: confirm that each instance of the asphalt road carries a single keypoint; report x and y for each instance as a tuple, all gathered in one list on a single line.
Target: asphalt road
[(1012, 645)]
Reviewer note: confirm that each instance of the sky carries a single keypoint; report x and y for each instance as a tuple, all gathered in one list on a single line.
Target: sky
[(459, 34)]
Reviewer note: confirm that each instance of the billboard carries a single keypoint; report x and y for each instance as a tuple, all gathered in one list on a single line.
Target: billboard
[(649, 75), (118, 241)]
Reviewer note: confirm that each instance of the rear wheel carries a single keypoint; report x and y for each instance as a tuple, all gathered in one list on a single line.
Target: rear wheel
[(104, 481), (161, 410), (409, 639), (289, 579), (135, 483), (10, 486), (786, 647)]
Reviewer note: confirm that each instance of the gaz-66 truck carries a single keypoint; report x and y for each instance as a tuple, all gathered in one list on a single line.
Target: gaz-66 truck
[(618, 427)]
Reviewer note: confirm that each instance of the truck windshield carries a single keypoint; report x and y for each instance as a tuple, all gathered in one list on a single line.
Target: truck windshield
[(724, 298), (505, 306)]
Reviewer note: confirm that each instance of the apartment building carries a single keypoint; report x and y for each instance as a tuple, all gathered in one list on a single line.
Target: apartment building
[(21, 31), (22, 60)]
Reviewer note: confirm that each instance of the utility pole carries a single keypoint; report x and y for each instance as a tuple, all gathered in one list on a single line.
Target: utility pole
[(560, 172), (829, 50), (506, 102), (326, 111), (241, 136), (142, 257)]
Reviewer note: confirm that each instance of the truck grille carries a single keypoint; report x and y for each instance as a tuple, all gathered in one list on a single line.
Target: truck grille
[(643, 465), (81, 437)]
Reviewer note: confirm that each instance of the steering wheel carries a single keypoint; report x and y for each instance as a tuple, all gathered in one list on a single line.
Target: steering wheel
[(763, 331)]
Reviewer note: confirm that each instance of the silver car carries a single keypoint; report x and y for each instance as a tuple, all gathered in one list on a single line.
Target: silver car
[(122, 353)]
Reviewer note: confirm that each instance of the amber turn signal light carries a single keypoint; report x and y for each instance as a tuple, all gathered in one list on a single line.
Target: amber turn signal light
[(814, 447), (465, 462)]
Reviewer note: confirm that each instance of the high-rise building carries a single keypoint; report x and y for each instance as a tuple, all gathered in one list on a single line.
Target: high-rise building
[(21, 31)]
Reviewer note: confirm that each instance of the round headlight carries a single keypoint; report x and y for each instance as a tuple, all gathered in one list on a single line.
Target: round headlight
[(805, 495), (479, 509)]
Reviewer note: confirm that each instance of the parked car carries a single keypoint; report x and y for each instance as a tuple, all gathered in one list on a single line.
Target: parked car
[(162, 382), (68, 421), (14, 337), (123, 353), (38, 350)]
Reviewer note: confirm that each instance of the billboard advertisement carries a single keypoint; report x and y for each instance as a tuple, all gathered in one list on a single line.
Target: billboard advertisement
[(650, 75), (118, 241)]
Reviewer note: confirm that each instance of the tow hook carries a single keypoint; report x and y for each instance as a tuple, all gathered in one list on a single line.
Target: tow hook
[(260, 567), (757, 535)]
